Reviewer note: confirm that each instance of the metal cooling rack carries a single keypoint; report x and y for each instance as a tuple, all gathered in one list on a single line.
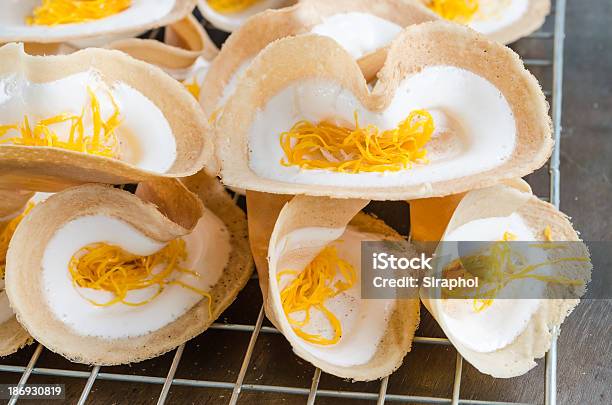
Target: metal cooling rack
[(556, 37)]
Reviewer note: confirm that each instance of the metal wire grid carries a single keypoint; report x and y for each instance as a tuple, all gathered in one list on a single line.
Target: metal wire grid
[(557, 36)]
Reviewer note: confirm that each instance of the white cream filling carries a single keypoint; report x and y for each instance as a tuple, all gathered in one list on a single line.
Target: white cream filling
[(506, 318), (494, 15), (141, 12), (231, 21), (358, 33), (475, 127), (208, 250), (232, 84), (145, 137), (364, 322), (194, 73), (40, 197), (374, 33)]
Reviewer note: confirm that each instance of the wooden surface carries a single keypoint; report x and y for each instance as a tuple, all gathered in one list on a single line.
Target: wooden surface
[(585, 344)]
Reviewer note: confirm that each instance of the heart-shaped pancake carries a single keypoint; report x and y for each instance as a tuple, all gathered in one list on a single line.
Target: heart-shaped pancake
[(451, 111)]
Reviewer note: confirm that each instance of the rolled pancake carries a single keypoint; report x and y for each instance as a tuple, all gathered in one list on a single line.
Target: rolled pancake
[(304, 214), (534, 339)]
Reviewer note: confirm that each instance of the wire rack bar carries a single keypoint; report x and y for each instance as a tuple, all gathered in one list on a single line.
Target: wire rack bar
[(540, 35), (243, 328), (557, 104), (269, 329), (537, 62), (382, 393), (170, 377), (457, 382), (312, 395), (27, 372), (380, 397), (247, 358), (88, 386), (550, 394)]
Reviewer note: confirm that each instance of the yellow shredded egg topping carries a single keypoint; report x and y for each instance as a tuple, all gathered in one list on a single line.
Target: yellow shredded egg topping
[(214, 115), (362, 149), (501, 266), (231, 6), (7, 234), (102, 140), (105, 267), (461, 11), (324, 278), (193, 88), (548, 234), (57, 12)]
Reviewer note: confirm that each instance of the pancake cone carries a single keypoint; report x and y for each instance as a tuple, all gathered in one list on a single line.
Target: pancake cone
[(534, 341), (329, 217)]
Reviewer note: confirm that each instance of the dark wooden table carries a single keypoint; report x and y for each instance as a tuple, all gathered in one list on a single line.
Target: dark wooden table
[(585, 344)]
